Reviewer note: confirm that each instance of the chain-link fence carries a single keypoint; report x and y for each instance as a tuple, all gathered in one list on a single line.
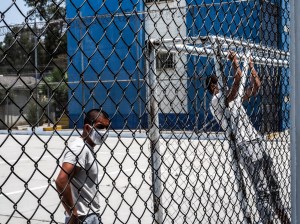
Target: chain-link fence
[(194, 97)]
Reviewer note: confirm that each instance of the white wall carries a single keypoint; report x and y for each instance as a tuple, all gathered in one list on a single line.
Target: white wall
[(167, 20), (9, 112)]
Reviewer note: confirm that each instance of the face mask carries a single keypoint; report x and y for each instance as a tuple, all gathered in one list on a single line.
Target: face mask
[(99, 136)]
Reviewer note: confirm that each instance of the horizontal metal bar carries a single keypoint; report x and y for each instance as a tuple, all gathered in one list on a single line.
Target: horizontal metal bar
[(249, 44), (98, 81), (226, 42), (175, 40), (208, 52)]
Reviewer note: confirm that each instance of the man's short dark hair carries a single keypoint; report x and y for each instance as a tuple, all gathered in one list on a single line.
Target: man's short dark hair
[(93, 114), (212, 79)]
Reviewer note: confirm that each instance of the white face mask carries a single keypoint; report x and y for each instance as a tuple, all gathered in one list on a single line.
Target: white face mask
[(99, 136)]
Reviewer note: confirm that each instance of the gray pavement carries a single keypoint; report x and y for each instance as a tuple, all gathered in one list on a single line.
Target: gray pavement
[(199, 184)]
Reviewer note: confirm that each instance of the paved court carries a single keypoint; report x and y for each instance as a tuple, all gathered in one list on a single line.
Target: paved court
[(198, 180)]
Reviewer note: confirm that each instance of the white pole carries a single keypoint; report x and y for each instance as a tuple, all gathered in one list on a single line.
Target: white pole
[(295, 108), (48, 106), (154, 139), (208, 52), (244, 77), (82, 60), (7, 112), (36, 69), (224, 41)]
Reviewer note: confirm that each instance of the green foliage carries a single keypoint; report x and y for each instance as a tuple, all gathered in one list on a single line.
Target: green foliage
[(54, 12), (32, 113), (16, 48), (48, 40), (47, 9), (56, 87)]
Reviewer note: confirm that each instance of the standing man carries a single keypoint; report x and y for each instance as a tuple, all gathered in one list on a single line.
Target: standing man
[(232, 117), (78, 181)]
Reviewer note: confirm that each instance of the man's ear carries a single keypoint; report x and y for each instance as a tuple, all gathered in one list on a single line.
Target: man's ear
[(87, 129)]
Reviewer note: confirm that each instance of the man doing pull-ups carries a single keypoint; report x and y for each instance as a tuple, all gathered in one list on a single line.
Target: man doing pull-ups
[(229, 112)]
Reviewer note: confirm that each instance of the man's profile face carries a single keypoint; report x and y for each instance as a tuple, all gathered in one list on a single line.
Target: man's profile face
[(213, 88), (101, 123), (213, 85)]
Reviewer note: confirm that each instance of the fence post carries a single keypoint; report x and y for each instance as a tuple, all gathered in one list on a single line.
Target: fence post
[(295, 108), (36, 70), (154, 136), (81, 27)]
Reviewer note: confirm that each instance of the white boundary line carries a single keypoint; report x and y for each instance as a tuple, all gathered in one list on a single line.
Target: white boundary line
[(44, 186), (56, 155), (25, 159), (21, 191)]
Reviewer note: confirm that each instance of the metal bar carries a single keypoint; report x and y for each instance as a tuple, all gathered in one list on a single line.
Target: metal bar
[(107, 81), (225, 43), (97, 81), (244, 77), (247, 44), (48, 106), (218, 71), (7, 112), (82, 62), (154, 138), (207, 52), (35, 69), (295, 109), (196, 39)]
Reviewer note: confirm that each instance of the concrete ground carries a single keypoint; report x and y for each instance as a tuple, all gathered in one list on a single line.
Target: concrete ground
[(198, 182)]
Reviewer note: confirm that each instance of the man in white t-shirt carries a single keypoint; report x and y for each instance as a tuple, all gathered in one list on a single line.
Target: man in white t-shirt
[(78, 180), (229, 112)]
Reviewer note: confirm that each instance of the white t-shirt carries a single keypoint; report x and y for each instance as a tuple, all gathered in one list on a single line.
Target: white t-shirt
[(241, 125), (84, 184)]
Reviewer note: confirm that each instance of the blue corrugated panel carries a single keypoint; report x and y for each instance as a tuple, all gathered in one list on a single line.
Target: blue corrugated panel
[(285, 103), (223, 18), (112, 46), (106, 46)]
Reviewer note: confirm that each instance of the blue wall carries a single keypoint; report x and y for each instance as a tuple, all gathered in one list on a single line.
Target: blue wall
[(234, 20), (251, 20), (285, 74), (112, 50)]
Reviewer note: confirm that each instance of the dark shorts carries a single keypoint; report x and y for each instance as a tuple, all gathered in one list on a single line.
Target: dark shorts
[(87, 219)]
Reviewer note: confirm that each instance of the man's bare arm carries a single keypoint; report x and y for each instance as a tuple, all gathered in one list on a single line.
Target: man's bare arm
[(63, 186), (233, 92), (255, 82)]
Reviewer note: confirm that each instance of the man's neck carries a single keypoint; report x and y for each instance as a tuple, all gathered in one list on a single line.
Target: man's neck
[(90, 144)]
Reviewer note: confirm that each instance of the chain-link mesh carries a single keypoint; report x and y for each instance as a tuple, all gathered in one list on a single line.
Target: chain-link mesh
[(197, 95)]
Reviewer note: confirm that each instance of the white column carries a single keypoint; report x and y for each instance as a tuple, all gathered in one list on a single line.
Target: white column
[(295, 108), (154, 137)]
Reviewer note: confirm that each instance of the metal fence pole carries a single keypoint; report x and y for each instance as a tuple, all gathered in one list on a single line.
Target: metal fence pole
[(154, 138), (36, 70), (82, 60), (48, 106), (295, 108)]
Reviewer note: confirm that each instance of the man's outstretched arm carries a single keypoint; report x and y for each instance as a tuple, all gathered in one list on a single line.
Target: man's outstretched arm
[(255, 82), (233, 92)]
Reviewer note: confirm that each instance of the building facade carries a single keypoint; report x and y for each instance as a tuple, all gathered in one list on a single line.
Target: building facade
[(107, 48)]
